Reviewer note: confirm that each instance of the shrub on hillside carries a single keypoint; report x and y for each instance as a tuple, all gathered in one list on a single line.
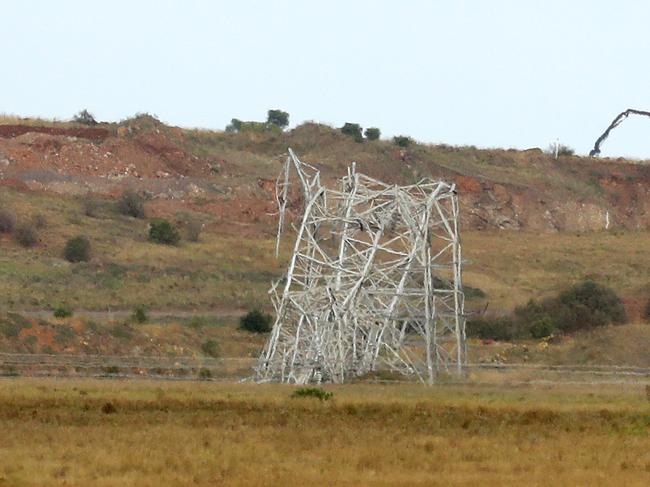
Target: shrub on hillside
[(131, 204), (210, 348), (26, 235), (163, 232), (205, 374), (352, 130), (62, 311), (85, 117), (90, 206), (402, 141), (562, 150), (646, 312), (11, 324), (77, 249), (7, 221), (542, 327), (372, 133), (534, 319), (278, 118), (587, 305), (139, 314), (234, 126), (583, 306), (256, 322), (491, 328)]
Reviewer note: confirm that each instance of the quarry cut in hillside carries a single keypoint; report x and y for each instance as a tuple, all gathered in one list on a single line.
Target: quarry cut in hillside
[(232, 175)]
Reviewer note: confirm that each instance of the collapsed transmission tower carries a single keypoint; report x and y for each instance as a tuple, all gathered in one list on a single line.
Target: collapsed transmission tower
[(373, 284)]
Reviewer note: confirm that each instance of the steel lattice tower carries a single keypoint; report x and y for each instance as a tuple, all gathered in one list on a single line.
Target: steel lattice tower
[(373, 284)]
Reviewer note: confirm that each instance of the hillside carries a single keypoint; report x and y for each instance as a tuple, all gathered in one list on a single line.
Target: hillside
[(531, 224), (501, 189)]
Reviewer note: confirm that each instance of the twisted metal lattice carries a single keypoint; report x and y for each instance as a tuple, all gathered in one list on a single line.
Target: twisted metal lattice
[(373, 284)]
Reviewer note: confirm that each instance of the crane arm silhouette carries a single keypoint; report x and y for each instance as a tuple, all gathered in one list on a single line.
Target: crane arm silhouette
[(615, 123)]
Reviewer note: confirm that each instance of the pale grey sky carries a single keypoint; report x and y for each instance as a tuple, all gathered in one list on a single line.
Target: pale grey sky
[(488, 73)]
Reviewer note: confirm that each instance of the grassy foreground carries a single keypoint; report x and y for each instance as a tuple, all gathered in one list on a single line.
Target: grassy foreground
[(162, 433)]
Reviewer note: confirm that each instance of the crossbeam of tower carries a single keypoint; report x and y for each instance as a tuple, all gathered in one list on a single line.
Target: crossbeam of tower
[(374, 282)]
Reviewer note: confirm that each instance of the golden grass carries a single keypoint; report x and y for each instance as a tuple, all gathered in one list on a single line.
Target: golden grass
[(513, 267), (161, 433)]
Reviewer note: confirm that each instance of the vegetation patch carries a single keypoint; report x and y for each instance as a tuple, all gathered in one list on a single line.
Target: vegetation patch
[(7, 220), (255, 321), (163, 232), (25, 234), (64, 335), (314, 392), (139, 315), (77, 249), (210, 348), (11, 324), (584, 306), (131, 204), (62, 311)]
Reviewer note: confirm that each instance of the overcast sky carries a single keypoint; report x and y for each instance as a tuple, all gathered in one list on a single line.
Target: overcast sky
[(486, 73)]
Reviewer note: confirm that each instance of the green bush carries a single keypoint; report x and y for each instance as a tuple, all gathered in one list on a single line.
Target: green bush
[(163, 232), (111, 370), (237, 125), (473, 292), (353, 130), (491, 328), (26, 235), (210, 348), (139, 314), (7, 221), (131, 204), (234, 126), (62, 311), (372, 133), (278, 118), (587, 305), (205, 374), (253, 126), (255, 321), (402, 141), (77, 249), (314, 392), (542, 328), (646, 312), (583, 306)]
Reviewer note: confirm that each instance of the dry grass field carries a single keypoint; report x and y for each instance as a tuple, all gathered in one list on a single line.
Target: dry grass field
[(231, 271), (142, 433)]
